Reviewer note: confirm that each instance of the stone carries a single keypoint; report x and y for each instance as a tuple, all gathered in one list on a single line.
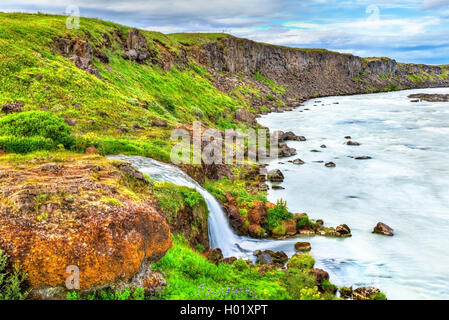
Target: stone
[(330, 165), (323, 146), (365, 293), (290, 226), (78, 227), (382, 228), (303, 246), (70, 122), (79, 52), (245, 116), (285, 151), (297, 161), (320, 275), (256, 231), (348, 138), (352, 143), (363, 158), (275, 176), (159, 123), (13, 107), (275, 187), (343, 229), (258, 213), (136, 47), (214, 255), (264, 258)]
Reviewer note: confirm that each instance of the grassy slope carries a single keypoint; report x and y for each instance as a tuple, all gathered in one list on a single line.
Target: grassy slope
[(175, 96)]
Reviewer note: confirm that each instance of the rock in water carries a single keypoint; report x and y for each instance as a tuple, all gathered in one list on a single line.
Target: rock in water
[(275, 176), (363, 158), (303, 246), (330, 165), (352, 143), (382, 228), (343, 229), (297, 161)]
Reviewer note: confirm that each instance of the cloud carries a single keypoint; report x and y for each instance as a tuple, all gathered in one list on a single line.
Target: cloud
[(434, 4)]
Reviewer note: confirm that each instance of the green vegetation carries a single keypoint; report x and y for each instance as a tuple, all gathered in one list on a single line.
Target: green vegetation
[(276, 215), (11, 280), (301, 261), (273, 86), (115, 114), (189, 275), (112, 201)]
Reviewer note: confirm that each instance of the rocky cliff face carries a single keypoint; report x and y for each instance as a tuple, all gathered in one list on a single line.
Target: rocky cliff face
[(306, 73)]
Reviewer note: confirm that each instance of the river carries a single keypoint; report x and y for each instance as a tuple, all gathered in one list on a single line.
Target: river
[(405, 185)]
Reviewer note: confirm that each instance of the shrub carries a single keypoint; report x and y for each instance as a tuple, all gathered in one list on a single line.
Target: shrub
[(280, 230), (278, 214), (301, 261), (303, 221), (36, 124), (13, 144), (11, 282)]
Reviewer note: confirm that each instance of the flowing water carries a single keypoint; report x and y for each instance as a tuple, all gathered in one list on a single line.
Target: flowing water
[(405, 184)]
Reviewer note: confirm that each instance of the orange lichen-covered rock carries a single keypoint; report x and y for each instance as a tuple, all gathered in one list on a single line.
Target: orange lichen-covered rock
[(78, 213)]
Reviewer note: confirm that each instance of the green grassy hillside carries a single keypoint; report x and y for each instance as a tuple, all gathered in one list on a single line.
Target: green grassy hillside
[(130, 96)]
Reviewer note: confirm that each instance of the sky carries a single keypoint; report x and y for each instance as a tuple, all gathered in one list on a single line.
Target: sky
[(415, 31)]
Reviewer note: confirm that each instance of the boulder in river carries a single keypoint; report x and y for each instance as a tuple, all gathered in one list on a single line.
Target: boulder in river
[(348, 138), (297, 161), (352, 143), (303, 246), (343, 229), (275, 176), (277, 187), (363, 158), (382, 228), (330, 165)]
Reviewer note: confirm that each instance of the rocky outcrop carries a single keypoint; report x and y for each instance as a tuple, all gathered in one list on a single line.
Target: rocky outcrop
[(307, 73), (13, 107), (366, 293), (79, 213), (136, 47), (79, 52)]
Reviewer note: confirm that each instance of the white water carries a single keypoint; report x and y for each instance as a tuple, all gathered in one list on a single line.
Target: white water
[(405, 185)]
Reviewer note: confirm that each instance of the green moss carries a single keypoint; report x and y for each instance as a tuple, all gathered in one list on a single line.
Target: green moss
[(301, 261), (112, 201)]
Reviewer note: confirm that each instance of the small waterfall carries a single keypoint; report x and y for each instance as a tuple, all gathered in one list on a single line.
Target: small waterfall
[(220, 233)]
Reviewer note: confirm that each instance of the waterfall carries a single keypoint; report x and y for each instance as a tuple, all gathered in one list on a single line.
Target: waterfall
[(220, 233)]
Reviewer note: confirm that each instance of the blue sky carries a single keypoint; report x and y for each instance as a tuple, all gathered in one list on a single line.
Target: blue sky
[(408, 31)]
